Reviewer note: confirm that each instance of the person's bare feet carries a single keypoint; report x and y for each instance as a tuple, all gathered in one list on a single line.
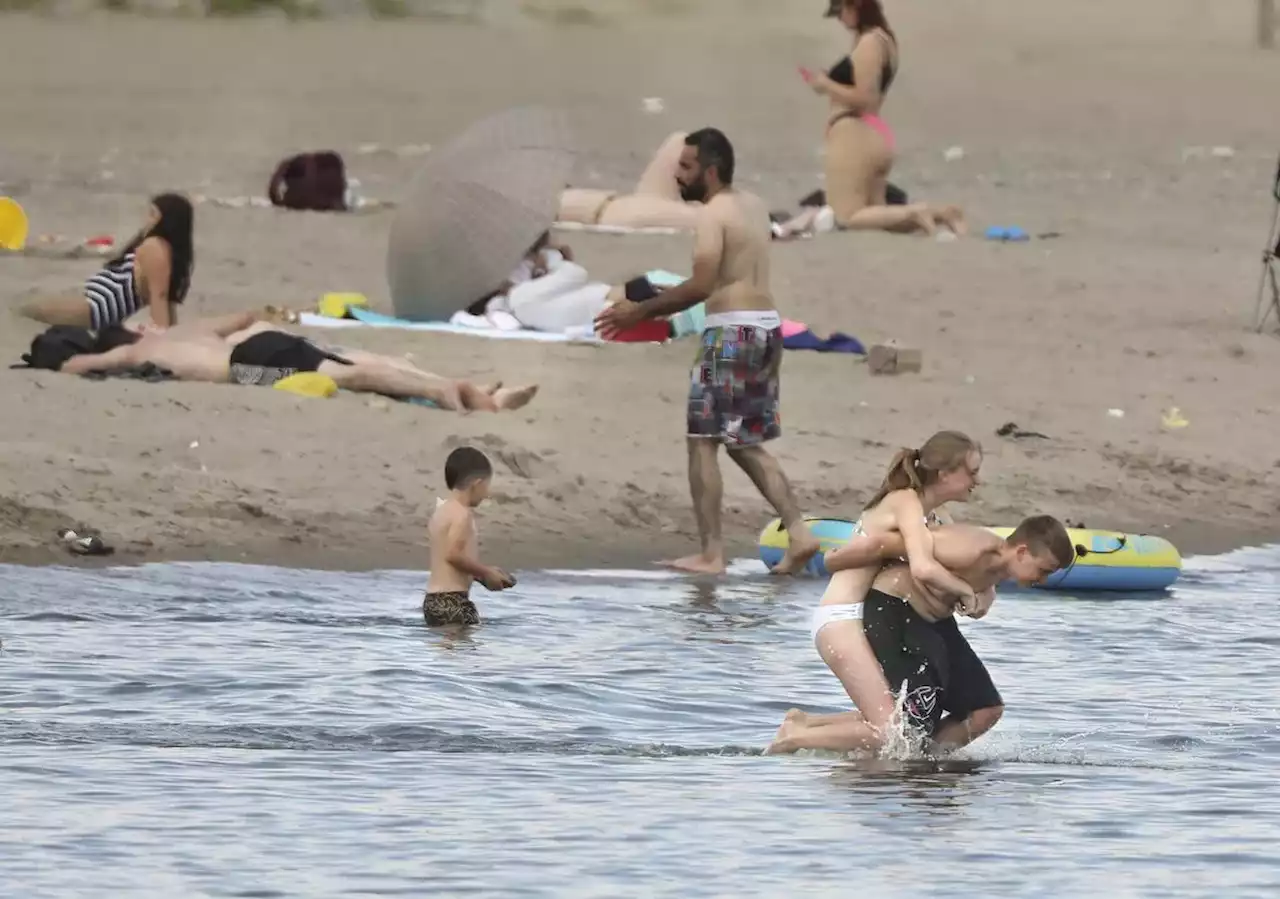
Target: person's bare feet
[(508, 398), (924, 222), (697, 564), (952, 217), (784, 740), (491, 389), (799, 551)]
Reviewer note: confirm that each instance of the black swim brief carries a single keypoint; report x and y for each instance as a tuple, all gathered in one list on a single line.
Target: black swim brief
[(930, 663), (449, 607), (271, 356)]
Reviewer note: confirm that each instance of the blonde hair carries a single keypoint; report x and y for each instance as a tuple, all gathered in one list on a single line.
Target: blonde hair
[(916, 469)]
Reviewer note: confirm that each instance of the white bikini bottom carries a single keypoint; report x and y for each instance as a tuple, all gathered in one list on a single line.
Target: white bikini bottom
[(824, 615)]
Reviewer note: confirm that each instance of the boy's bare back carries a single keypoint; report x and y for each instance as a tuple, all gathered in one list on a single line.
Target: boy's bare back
[(452, 521)]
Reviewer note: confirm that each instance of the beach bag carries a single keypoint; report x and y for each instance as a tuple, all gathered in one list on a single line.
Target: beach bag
[(311, 181), (51, 348)]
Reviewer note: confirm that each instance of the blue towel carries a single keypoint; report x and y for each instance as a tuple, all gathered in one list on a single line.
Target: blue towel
[(838, 342)]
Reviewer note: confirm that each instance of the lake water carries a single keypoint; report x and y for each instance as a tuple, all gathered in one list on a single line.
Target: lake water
[(220, 730)]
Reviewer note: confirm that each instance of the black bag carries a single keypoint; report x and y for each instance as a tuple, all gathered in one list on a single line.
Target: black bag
[(53, 347), (310, 181)]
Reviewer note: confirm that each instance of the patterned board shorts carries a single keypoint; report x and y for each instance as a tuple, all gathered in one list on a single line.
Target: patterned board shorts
[(258, 375), (452, 607), (733, 394)]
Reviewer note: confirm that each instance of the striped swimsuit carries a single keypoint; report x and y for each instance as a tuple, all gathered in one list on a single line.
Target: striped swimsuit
[(111, 294)]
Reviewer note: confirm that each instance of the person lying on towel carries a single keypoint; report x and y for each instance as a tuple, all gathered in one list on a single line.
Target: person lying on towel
[(240, 349)]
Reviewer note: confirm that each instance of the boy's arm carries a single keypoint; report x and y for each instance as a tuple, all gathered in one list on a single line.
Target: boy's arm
[(984, 600), (456, 537)]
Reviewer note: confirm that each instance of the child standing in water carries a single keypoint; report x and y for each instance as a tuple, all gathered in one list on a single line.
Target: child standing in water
[(455, 562)]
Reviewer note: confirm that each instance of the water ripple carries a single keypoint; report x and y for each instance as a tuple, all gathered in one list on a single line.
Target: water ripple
[(230, 730)]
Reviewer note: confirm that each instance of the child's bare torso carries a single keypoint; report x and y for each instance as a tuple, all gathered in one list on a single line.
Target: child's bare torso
[(445, 578)]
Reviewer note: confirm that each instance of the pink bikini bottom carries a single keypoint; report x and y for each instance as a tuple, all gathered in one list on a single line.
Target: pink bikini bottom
[(879, 124)]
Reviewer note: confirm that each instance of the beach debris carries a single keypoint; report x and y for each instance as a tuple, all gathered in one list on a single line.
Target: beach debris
[(953, 154), (1116, 413), (1011, 429), (1223, 152), (1173, 420), (195, 444), (653, 105), (892, 359), (86, 544)]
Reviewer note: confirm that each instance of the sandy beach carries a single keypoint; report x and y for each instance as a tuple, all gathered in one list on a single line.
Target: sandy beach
[(1096, 129)]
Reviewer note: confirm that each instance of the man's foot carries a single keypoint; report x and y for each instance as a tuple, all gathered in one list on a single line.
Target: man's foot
[(508, 398), (799, 552), (699, 564), (953, 218), (491, 389), (924, 222)]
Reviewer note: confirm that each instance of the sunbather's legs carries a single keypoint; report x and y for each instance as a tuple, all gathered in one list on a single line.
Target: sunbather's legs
[(659, 177), (646, 211), (372, 374)]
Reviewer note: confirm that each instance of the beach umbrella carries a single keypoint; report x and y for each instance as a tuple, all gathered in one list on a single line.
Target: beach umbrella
[(475, 207)]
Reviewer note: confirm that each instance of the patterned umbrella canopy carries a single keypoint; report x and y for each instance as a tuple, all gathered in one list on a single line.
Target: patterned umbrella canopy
[(474, 209)]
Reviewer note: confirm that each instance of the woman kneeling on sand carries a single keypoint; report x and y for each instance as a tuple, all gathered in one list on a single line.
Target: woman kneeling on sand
[(859, 145), (655, 202), (152, 272)]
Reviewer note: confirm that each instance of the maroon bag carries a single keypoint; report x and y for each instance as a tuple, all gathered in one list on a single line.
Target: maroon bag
[(312, 181)]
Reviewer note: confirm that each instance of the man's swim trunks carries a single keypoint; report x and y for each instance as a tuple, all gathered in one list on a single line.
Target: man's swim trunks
[(930, 663), (271, 356), (452, 607), (733, 394)]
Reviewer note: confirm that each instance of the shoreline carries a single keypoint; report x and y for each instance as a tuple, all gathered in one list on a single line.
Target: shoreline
[(1192, 539)]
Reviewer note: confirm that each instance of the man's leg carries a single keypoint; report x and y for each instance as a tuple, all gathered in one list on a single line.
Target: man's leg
[(972, 702), (707, 489), (394, 381), (771, 481)]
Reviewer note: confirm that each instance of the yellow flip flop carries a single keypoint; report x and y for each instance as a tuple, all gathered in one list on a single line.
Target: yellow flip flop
[(308, 383), (13, 225), (335, 305)]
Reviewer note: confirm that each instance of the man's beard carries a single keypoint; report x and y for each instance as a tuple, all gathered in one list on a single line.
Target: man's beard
[(695, 192)]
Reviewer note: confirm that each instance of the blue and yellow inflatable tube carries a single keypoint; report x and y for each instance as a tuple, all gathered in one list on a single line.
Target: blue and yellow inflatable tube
[(1113, 561)]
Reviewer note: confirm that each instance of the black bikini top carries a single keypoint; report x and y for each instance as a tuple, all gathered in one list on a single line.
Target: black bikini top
[(842, 72)]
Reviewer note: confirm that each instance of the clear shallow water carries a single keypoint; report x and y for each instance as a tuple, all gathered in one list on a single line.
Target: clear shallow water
[(219, 730)]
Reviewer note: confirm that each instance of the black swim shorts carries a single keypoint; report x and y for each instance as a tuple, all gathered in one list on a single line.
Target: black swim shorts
[(930, 662), (270, 356)]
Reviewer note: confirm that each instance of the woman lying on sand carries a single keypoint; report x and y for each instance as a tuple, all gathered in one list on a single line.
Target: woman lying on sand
[(153, 271), (859, 144), (240, 349), (919, 483), (655, 202)]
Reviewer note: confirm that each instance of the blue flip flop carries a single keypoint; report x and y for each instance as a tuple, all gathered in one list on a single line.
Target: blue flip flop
[(999, 232)]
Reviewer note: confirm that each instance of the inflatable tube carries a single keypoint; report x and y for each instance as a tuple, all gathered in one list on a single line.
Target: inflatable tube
[(1114, 561)]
